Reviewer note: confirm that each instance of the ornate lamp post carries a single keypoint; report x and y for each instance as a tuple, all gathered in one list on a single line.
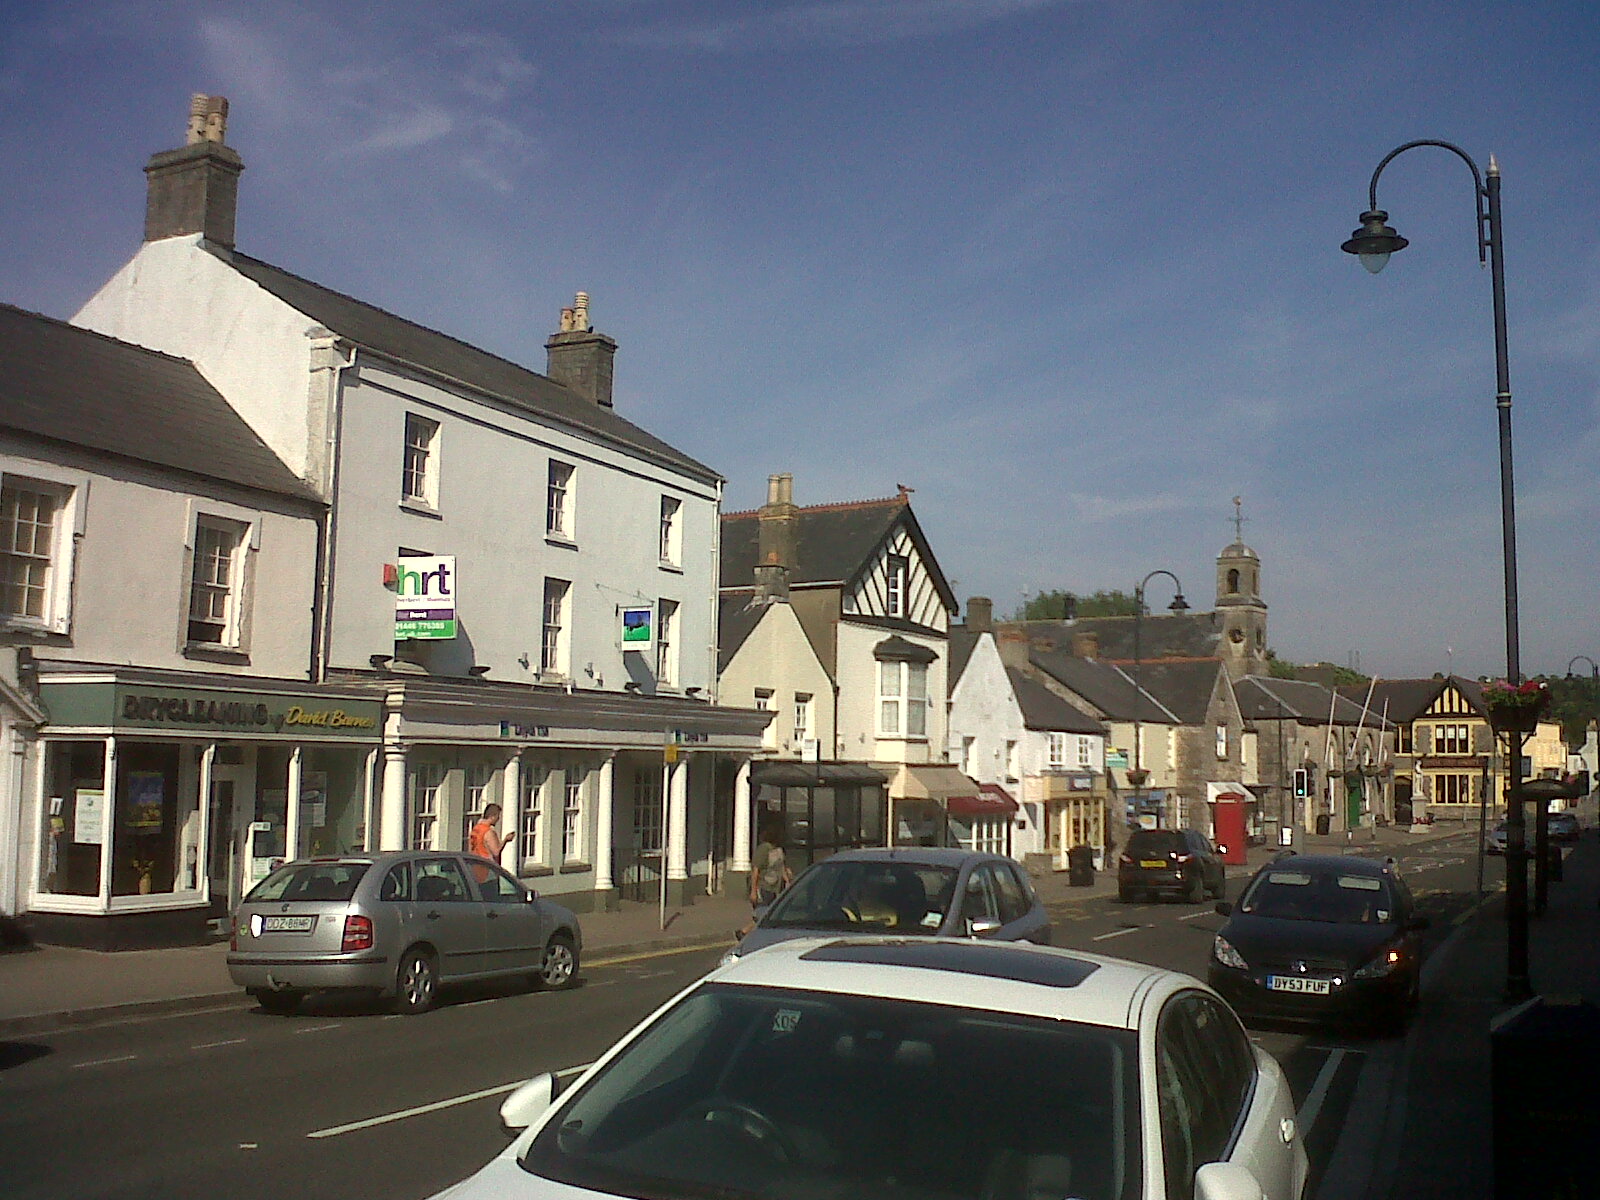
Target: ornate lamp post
[(1373, 243), (1138, 776)]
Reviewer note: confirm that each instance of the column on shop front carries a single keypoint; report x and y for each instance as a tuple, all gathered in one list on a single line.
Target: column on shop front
[(678, 820), (604, 825), (392, 826), (742, 812)]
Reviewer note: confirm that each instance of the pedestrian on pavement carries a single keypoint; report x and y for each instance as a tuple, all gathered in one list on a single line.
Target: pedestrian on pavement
[(485, 839), (769, 874)]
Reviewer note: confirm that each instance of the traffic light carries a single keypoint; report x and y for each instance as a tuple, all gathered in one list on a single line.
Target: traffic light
[(1302, 783)]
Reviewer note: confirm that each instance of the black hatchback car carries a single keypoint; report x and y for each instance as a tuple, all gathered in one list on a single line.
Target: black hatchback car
[(1169, 862), (1321, 937)]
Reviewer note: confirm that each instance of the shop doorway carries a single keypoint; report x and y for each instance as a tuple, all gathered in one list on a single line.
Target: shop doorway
[(232, 810)]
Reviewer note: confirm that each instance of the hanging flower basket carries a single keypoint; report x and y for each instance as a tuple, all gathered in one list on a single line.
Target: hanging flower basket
[(1137, 777), (1515, 708)]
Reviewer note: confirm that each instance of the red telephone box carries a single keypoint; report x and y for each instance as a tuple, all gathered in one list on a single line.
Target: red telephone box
[(1227, 815)]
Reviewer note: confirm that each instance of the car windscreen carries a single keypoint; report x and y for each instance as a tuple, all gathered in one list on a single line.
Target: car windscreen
[(1299, 894), (1156, 842), (774, 1094), (310, 881), (875, 896)]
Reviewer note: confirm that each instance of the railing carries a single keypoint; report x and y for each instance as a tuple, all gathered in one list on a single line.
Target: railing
[(637, 874)]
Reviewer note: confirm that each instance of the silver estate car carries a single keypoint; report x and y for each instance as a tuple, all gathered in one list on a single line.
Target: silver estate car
[(398, 924)]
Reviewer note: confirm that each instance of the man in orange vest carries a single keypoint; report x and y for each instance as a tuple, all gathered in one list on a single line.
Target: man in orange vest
[(485, 839)]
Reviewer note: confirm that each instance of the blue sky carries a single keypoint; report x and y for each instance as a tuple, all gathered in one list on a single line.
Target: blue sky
[(1070, 269)]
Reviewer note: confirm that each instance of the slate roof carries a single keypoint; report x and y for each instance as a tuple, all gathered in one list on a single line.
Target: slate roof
[(1161, 635), (397, 338), (1408, 699), (1107, 687), (1184, 687), (1042, 709), (834, 544), (85, 389), (963, 641), (1262, 698)]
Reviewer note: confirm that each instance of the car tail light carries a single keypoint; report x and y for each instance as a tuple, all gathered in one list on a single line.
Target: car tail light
[(357, 933), (1182, 858), (1125, 859)]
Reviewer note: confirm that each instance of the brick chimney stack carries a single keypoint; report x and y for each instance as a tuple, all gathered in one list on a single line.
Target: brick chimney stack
[(777, 540), (195, 189), (980, 614), (579, 357), (1085, 645)]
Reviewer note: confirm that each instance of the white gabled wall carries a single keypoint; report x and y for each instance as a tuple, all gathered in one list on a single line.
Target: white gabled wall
[(984, 707), (177, 297), (778, 656), (858, 697)]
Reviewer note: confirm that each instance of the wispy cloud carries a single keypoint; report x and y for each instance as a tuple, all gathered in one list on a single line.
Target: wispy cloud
[(834, 22)]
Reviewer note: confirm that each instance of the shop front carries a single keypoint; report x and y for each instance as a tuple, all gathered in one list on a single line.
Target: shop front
[(157, 804)]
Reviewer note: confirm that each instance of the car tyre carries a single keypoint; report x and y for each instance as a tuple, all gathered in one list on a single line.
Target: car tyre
[(416, 982), (558, 969), (1221, 890), (1194, 890), (280, 1003)]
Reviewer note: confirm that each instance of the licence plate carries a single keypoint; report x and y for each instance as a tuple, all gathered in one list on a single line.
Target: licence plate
[(1153, 863), (288, 924), (1295, 983)]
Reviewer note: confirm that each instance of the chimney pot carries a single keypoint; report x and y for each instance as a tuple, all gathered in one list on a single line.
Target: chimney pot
[(195, 188), (579, 357)]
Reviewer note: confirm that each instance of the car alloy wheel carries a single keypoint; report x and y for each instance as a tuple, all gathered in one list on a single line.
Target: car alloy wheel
[(559, 967), (416, 983)]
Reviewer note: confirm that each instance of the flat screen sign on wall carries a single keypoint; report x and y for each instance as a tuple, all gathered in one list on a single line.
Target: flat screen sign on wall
[(425, 599), (637, 624)]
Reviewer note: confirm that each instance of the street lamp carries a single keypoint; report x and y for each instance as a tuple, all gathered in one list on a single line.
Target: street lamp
[(1374, 242), (1139, 775)]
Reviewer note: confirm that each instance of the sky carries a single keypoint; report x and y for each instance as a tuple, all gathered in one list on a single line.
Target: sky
[(1069, 269)]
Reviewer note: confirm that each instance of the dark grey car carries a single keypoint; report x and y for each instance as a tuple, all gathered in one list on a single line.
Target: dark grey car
[(397, 924), (907, 891)]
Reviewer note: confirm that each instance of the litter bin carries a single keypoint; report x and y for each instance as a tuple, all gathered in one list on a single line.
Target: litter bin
[(1324, 823), (1080, 866), (1544, 1055)]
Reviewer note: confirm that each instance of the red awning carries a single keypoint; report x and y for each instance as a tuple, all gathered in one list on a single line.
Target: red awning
[(992, 800)]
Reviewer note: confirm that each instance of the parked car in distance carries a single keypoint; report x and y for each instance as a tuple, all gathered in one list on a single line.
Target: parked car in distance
[(906, 891), (1170, 862), (398, 924), (846, 1067), (1494, 841), (1321, 937), (1564, 826)]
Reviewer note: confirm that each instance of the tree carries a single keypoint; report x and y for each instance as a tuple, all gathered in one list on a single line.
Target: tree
[(1059, 605), (1108, 604)]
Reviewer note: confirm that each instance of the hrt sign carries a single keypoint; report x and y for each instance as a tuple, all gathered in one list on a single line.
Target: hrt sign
[(425, 598)]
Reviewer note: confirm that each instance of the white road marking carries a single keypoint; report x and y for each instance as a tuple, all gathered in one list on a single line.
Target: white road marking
[(318, 1028), (214, 1045), (1306, 1118), (1196, 916), (100, 1062), (1100, 937), (387, 1118)]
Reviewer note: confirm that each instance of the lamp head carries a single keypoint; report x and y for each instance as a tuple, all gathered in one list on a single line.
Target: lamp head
[(1179, 604), (1374, 241)]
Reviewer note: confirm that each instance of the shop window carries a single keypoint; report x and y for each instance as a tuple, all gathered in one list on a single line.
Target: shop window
[(574, 786), (156, 833), (476, 798), (35, 549), (75, 823), (427, 781)]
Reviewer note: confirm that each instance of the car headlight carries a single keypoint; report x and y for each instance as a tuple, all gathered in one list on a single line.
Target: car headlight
[(1386, 961), (1224, 953)]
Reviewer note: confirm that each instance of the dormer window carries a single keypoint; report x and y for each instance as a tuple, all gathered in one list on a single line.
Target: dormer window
[(895, 591)]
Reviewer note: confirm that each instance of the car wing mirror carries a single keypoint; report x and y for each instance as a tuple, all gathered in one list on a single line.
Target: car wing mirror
[(1224, 909), (531, 896), (1226, 1181), (982, 926), (528, 1102)]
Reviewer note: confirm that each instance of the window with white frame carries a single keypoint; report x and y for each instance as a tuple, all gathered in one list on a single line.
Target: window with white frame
[(1222, 741), (895, 590), (1056, 752), (1085, 752), (216, 582), (530, 787), (671, 534), (802, 718), (902, 699), (419, 474), (1013, 761), (1451, 739), (475, 798), (667, 643), (33, 583), (427, 780), (769, 735), (554, 635), (577, 776), (558, 503), (647, 811)]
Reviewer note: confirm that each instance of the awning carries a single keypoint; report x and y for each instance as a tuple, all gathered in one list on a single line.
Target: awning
[(992, 800), (805, 774), (931, 781)]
